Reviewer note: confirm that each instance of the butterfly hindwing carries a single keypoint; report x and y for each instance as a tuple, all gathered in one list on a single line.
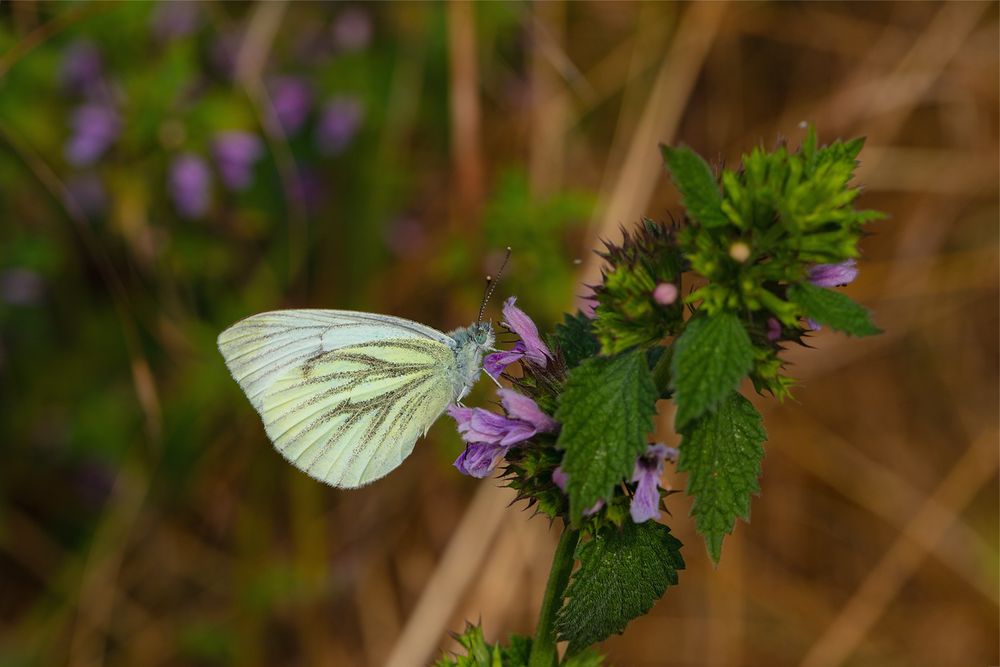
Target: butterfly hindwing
[(350, 415)]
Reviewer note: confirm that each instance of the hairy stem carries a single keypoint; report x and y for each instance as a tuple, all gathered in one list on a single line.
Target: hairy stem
[(543, 648)]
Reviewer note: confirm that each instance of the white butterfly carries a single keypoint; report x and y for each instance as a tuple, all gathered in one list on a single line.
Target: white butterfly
[(343, 395)]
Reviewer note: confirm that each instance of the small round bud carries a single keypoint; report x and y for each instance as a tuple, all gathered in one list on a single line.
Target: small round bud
[(665, 294), (739, 251)]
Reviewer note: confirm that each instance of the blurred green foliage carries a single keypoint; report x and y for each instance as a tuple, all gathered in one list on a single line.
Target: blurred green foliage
[(111, 297)]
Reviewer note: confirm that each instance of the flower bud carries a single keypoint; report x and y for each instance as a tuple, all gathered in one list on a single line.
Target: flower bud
[(739, 251), (665, 294)]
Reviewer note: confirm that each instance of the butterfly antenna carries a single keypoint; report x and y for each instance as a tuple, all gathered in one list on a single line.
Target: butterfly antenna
[(491, 285)]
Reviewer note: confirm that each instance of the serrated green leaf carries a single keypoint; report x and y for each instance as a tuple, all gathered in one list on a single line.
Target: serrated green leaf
[(622, 573), (721, 451), (576, 339), (606, 409), (710, 358), (833, 309), (694, 178)]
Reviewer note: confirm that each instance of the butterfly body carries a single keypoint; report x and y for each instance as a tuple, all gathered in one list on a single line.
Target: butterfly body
[(344, 396)]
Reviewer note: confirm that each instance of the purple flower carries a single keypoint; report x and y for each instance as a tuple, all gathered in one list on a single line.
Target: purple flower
[(665, 294), (648, 468), (235, 154), (490, 435), (523, 408), (773, 329), (338, 123), (352, 30), (530, 346), (81, 67), (517, 321), (95, 127), (292, 98), (560, 479), (480, 459), (190, 185), (174, 19), (496, 362), (833, 275)]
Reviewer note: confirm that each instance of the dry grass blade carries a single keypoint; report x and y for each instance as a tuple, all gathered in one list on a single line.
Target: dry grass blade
[(456, 568), (976, 467), (632, 187)]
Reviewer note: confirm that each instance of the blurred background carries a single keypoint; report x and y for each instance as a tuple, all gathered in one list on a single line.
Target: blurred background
[(169, 168)]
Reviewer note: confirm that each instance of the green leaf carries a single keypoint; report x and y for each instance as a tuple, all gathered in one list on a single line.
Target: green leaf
[(710, 358), (606, 409), (833, 309), (695, 180), (622, 573), (575, 339), (722, 451)]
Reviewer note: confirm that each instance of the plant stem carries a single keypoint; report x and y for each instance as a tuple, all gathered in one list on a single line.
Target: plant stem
[(543, 648), (661, 371)]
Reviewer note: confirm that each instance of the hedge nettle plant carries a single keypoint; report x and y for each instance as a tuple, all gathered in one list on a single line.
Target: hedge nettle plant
[(683, 313)]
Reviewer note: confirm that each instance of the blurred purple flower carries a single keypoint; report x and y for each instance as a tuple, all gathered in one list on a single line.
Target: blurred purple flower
[(173, 19), (833, 275), (648, 468), (588, 304), (235, 154), (560, 479), (21, 287), (773, 329), (81, 67), (352, 29), (338, 124), (292, 98), (190, 185), (665, 294), (490, 435), (94, 128), (88, 193)]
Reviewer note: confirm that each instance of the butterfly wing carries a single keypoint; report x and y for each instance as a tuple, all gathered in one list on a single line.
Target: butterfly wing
[(343, 395), (262, 347), (351, 415)]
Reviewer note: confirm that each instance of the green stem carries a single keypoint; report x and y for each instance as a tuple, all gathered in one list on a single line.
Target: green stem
[(543, 648), (661, 371)]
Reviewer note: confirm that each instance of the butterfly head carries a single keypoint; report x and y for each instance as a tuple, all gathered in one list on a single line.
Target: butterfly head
[(481, 333)]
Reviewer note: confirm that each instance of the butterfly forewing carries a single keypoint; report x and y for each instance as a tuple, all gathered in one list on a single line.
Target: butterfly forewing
[(261, 348), (353, 414), (344, 396)]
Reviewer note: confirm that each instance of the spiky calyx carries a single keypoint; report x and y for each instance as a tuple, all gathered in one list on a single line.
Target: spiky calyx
[(628, 313)]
